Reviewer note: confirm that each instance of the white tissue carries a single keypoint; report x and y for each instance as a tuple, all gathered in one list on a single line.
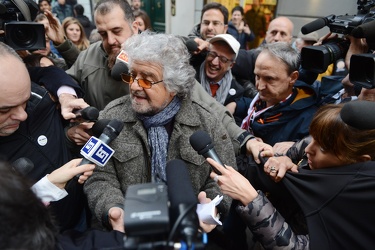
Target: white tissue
[(206, 212)]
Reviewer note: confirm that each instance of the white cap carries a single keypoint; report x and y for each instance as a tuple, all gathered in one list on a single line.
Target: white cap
[(229, 39)]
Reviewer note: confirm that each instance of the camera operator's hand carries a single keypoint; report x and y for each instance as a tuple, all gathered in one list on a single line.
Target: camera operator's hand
[(357, 46), (116, 219), (54, 31)]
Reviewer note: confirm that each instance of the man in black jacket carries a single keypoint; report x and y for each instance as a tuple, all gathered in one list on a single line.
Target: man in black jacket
[(31, 125)]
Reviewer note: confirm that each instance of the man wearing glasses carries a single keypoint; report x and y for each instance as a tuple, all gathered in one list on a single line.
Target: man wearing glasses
[(159, 117), (215, 73)]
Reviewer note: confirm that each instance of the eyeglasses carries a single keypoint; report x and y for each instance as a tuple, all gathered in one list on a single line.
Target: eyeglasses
[(211, 55), (129, 79), (214, 23)]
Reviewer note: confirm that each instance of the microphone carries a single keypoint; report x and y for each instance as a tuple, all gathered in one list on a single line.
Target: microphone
[(316, 24), (87, 114), (121, 66), (359, 114), (183, 202), (365, 30), (191, 45), (23, 166), (202, 143), (96, 150), (98, 127)]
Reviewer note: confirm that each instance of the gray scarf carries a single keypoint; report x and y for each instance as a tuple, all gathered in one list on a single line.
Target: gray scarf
[(158, 137), (222, 92)]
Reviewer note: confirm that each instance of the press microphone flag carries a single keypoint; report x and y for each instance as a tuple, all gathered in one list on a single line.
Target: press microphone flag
[(96, 150)]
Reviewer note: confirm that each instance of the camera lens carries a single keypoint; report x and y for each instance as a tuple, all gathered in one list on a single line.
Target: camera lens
[(23, 37), (318, 58)]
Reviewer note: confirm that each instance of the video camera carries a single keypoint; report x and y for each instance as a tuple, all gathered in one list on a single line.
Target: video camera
[(160, 216), (16, 19), (362, 70), (362, 25)]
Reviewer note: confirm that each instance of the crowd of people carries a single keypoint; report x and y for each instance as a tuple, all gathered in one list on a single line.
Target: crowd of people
[(293, 156)]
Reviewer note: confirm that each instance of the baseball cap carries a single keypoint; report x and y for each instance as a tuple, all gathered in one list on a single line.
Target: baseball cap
[(229, 39), (313, 36)]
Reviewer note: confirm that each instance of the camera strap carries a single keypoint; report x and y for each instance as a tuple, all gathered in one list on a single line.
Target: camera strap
[(22, 6)]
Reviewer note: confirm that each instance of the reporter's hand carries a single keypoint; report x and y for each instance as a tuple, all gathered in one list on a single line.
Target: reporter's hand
[(203, 199), (256, 146), (281, 164), (62, 175), (202, 45), (233, 183), (281, 148), (116, 219), (69, 103), (78, 133)]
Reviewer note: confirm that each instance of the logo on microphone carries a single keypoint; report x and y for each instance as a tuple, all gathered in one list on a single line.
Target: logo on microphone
[(97, 151)]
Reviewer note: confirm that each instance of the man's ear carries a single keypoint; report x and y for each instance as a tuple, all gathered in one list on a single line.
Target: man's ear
[(293, 77), (135, 27), (225, 28)]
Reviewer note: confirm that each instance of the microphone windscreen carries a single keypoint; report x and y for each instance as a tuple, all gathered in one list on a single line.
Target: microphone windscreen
[(118, 69), (113, 129), (201, 141), (191, 45), (23, 166), (90, 113), (98, 127), (359, 114), (365, 30), (180, 190), (314, 25)]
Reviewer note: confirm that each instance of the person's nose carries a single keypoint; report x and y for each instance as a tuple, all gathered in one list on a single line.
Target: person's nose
[(19, 114)]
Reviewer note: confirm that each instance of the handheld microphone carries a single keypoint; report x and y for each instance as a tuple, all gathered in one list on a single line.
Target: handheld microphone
[(98, 127), (359, 114), (202, 143), (87, 114), (316, 24), (121, 66), (183, 202), (191, 45), (96, 150), (23, 166)]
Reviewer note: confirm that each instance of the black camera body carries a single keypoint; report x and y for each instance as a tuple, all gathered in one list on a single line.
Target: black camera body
[(362, 70), (318, 58), (20, 33)]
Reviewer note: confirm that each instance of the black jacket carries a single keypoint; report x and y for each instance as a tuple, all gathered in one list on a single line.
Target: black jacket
[(41, 138), (88, 26)]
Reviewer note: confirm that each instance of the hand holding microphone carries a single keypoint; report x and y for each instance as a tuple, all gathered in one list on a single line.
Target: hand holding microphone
[(202, 143), (86, 114)]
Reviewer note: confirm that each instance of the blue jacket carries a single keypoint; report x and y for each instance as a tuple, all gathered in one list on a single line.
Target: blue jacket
[(286, 121), (242, 38)]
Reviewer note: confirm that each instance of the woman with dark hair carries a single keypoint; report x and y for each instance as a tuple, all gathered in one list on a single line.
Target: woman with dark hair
[(38, 60), (26, 223), (143, 20), (334, 185), (238, 27)]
